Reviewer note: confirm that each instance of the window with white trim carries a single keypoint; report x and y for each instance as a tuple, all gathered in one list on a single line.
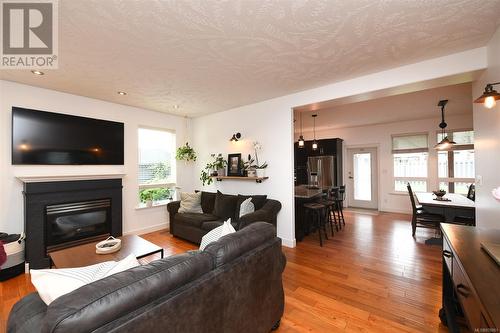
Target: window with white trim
[(157, 174), (410, 159), (456, 167)]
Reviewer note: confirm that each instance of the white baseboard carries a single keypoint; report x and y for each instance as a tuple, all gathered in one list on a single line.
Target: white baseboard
[(147, 230), (288, 242), (399, 211)]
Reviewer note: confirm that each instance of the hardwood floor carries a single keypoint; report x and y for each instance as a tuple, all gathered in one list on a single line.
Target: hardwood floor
[(371, 277)]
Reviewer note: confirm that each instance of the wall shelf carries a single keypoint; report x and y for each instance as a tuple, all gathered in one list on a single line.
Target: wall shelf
[(256, 179)]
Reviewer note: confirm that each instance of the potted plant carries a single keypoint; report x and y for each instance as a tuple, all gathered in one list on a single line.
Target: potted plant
[(146, 196), (215, 168), (185, 153), (259, 168)]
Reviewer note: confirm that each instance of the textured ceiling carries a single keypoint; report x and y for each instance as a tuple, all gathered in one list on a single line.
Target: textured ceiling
[(208, 56)]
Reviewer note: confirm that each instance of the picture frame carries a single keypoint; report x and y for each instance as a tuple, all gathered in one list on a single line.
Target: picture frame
[(234, 165)]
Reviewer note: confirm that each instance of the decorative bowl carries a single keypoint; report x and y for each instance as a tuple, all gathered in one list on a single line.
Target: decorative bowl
[(439, 193)]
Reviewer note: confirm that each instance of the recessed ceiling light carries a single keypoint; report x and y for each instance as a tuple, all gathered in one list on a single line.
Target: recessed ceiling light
[(123, 93), (37, 72), (176, 106)]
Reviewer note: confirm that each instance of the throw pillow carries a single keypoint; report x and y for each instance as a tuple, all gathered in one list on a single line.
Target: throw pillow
[(225, 205), (246, 207), (53, 283), (208, 202), (213, 235), (190, 203), (258, 201)]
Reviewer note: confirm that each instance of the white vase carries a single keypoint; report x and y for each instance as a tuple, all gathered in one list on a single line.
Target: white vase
[(261, 173), (149, 203)]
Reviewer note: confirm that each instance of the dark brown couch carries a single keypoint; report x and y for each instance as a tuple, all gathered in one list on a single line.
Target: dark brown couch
[(217, 207), (234, 285)]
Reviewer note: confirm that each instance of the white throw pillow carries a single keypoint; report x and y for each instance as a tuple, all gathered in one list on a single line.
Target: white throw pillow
[(190, 203), (213, 235), (53, 283), (247, 207)]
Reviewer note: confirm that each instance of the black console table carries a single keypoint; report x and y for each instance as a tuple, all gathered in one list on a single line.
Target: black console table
[(471, 279)]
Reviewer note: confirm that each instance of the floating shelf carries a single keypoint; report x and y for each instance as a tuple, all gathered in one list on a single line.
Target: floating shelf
[(256, 179)]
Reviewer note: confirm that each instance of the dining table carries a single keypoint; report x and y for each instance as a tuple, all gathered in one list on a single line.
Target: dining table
[(452, 206)]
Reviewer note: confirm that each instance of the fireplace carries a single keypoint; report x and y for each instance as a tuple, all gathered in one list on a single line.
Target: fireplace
[(60, 214), (76, 222)]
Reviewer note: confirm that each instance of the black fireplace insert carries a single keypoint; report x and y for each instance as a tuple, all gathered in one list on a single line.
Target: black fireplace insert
[(71, 222)]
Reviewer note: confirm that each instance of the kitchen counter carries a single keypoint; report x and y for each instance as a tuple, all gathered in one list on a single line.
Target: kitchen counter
[(307, 192)]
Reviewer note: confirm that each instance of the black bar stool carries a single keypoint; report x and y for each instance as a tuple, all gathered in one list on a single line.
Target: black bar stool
[(339, 204), (329, 202), (317, 212)]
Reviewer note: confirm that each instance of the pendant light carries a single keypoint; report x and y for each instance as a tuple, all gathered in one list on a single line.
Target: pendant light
[(301, 138), (315, 143), (489, 96), (445, 143)]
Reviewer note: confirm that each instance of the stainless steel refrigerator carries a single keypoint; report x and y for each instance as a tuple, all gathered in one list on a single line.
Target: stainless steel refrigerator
[(321, 171)]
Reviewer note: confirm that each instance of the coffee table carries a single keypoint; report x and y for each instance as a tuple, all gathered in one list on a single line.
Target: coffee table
[(84, 255)]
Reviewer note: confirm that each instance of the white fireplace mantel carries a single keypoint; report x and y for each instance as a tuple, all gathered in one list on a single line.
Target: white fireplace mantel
[(63, 178)]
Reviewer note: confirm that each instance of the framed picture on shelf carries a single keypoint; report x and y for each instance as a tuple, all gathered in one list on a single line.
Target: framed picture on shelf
[(234, 165)]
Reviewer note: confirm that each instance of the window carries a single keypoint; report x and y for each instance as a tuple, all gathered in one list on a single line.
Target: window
[(456, 167), (410, 155), (156, 165)]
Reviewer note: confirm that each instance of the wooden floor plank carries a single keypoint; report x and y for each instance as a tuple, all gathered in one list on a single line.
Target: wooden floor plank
[(372, 276)]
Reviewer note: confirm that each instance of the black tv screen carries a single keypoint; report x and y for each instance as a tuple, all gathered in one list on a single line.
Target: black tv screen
[(40, 137)]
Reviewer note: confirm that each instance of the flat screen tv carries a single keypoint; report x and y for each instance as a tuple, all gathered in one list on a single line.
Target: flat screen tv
[(40, 137)]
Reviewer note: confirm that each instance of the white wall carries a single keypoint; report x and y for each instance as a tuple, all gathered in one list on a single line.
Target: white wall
[(271, 123), (487, 142), (11, 198)]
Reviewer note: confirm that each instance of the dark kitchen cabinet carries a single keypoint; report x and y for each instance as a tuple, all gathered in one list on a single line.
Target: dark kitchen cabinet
[(326, 147)]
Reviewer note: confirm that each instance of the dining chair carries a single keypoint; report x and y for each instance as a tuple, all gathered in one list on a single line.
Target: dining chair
[(420, 217), (471, 194)]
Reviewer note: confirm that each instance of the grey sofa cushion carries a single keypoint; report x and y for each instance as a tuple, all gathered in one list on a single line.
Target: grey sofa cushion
[(233, 245), (100, 302), (194, 219), (208, 201), (225, 205), (26, 316)]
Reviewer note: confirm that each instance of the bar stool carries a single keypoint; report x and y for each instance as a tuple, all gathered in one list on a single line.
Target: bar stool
[(317, 212), (339, 204), (329, 202)]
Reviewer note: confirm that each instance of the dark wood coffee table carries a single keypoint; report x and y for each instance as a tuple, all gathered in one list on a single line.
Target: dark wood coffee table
[(84, 255)]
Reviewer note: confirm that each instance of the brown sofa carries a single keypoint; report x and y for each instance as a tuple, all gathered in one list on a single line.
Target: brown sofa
[(218, 207)]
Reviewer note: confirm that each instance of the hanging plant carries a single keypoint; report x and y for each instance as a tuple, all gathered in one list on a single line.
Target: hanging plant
[(185, 153)]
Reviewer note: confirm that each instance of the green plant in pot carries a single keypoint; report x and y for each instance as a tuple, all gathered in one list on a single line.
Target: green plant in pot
[(185, 153), (149, 195), (217, 167)]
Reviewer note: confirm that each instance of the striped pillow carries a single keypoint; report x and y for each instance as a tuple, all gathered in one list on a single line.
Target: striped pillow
[(214, 234), (53, 283)]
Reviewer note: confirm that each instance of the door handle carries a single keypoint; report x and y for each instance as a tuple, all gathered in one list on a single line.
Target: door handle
[(447, 254), (351, 177)]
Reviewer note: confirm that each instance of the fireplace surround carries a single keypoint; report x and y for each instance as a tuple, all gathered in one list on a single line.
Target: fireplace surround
[(60, 214)]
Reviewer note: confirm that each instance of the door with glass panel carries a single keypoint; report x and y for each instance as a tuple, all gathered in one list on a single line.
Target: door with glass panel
[(362, 177)]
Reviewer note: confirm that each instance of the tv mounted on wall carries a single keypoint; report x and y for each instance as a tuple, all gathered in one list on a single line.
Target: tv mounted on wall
[(40, 137)]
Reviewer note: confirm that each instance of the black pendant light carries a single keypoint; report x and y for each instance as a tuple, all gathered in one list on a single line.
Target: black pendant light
[(301, 138), (315, 143), (490, 96), (445, 143)]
